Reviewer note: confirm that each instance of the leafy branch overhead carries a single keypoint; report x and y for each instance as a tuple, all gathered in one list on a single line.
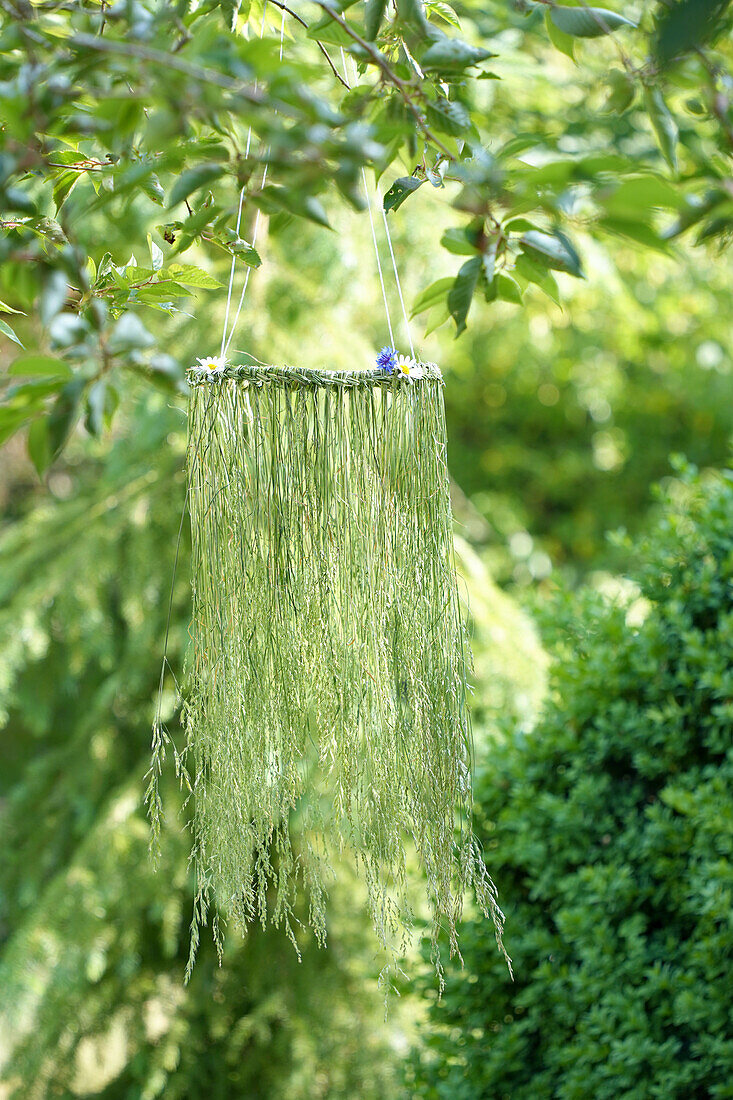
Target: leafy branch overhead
[(129, 130)]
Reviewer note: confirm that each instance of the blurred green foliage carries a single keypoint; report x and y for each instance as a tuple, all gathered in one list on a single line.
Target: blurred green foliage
[(561, 425), (610, 827)]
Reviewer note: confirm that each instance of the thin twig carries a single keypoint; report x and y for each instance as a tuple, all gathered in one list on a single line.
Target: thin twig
[(89, 166), (321, 47)]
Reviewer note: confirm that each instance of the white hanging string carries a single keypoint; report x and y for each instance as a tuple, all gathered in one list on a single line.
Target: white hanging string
[(371, 223), (226, 340), (248, 272), (245, 282), (379, 262), (234, 259), (397, 280), (419, 72), (386, 233)]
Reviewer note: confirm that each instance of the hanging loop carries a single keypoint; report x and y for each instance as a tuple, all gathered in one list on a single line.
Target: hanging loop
[(228, 331), (227, 339)]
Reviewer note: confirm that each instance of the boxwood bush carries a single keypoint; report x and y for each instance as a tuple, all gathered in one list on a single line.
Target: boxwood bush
[(610, 834)]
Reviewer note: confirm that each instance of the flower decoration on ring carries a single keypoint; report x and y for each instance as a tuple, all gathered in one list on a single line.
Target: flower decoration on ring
[(387, 359), (212, 365), (409, 369)]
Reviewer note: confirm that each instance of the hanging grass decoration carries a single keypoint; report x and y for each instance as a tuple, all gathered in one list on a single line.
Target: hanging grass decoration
[(327, 689)]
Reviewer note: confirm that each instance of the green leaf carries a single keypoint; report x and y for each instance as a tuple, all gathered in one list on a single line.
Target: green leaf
[(328, 30), (159, 292), (517, 145), (311, 208), (189, 275), (448, 116), (140, 177), (563, 42), (622, 92), (53, 296), (461, 292), (7, 331), (587, 22), (129, 334), (156, 254), (531, 271), (634, 199), (5, 308), (634, 230), (193, 180), (444, 12), (195, 223), (240, 248), (67, 329), (460, 242), (716, 227), (518, 225), (151, 186), (435, 176), (32, 393), (490, 294), (437, 316), (449, 54), (32, 366), (400, 190), (507, 289), (167, 374), (63, 185), (373, 16), (687, 25), (663, 124), (39, 445), (412, 14), (692, 212), (63, 416), (15, 199), (96, 402), (230, 11), (432, 295), (552, 250), (274, 199), (48, 228), (11, 420)]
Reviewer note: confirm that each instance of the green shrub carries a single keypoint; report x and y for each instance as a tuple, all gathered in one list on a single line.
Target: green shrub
[(610, 835)]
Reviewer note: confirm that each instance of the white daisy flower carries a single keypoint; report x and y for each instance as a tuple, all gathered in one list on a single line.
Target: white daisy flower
[(408, 368), (212, 364)]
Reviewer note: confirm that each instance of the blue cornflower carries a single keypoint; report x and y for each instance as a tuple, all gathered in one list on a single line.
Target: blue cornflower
[(387, 359)]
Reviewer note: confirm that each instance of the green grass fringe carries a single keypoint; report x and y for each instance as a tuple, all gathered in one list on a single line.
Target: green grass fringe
[(327, 699)]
